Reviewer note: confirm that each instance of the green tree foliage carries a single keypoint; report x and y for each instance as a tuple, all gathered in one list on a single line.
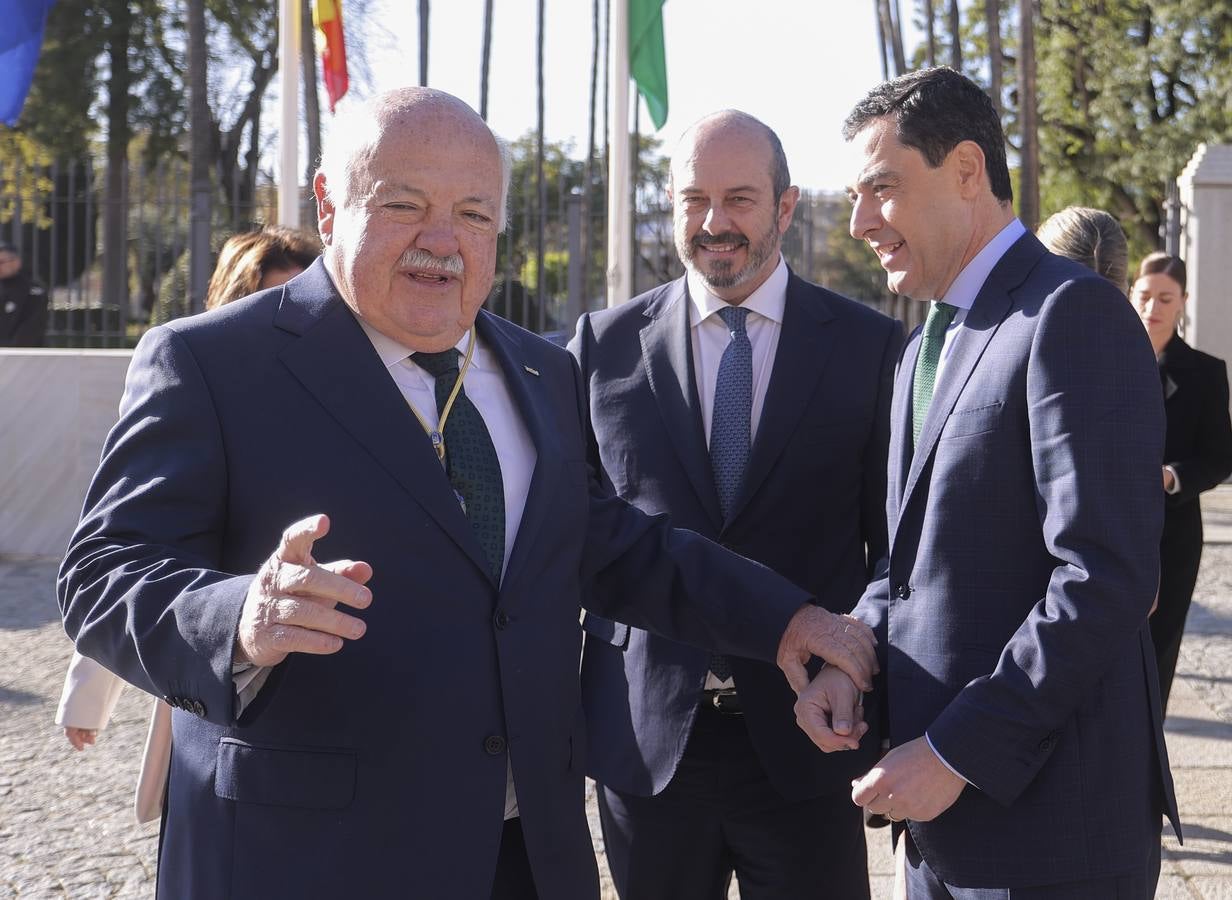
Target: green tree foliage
[(1127, 92)]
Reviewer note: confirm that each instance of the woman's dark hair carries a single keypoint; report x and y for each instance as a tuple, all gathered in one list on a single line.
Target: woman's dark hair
[(1164, 264)]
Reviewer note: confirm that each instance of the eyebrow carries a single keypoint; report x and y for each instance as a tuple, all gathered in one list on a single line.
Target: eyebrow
[(738, 189), (876, 175)]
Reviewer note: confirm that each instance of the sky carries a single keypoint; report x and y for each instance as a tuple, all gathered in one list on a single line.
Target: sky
[(798, 65)]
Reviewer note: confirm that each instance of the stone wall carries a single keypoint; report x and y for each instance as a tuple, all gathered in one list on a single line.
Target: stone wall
[(56, 407)]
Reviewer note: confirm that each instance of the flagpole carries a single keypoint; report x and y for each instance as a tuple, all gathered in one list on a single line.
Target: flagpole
[(619, 247), (288, 134)]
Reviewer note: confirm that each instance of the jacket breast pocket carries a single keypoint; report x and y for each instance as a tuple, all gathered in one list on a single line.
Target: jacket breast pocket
[(975, 420), (614, 633), (284, 776)]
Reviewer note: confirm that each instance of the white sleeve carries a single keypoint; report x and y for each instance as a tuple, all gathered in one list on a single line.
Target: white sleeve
[(89, 696)]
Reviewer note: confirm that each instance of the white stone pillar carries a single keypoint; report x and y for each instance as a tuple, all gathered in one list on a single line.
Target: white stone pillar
[(1206, 246)]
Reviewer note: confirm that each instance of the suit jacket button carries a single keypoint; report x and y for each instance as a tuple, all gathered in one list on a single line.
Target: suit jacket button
[(1045, 745), (501, 619), (198, 708), (494, 745), (903, 591)]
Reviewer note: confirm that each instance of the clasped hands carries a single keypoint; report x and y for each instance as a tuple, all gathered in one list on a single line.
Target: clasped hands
[(910, 781)]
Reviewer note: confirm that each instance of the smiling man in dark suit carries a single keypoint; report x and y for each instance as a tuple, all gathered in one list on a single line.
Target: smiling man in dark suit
[(1024, 513), (753, 408), (426, 737)]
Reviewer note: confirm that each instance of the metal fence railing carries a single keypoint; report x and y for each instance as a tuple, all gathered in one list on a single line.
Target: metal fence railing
[(58, 217)]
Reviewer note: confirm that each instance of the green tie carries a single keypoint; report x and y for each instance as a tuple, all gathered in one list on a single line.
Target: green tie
[(470, 459), (939, 318)]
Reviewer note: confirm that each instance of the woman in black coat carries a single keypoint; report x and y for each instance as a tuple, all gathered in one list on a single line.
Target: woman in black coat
[(1197, 450)]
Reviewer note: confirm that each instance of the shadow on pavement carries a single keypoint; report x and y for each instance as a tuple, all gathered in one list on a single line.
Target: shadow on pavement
[(28, 593), (1207, 728), (10, 697)]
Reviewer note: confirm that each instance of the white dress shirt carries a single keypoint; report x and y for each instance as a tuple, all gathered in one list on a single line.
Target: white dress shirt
[(485, 386), (966, 287), (962, 294), (709, 337)]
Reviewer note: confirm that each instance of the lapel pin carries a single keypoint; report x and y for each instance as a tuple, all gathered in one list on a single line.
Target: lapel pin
[(534, 372)]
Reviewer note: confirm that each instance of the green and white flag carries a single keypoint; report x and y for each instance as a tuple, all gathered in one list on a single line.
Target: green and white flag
[(647, 60)]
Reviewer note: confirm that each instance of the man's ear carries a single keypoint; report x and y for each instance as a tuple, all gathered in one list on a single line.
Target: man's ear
[(325, 208), (787, 208), (969, 168)]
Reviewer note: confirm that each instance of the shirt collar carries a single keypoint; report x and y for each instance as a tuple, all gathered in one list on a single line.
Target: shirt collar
[(966, 286), (391, 352), (768, 300)]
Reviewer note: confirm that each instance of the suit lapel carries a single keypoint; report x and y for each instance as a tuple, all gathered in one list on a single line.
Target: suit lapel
[(524, 387), (334, 360), (991, 305), (667, 354), (805, 345)]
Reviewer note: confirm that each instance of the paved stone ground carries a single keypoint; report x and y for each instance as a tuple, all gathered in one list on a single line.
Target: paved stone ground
[(66, 826)]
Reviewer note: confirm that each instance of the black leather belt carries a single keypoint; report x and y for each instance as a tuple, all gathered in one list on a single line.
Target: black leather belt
[(725, 700)]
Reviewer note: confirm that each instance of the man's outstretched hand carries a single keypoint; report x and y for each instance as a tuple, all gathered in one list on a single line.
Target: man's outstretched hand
[(290, 607), (840, 640)]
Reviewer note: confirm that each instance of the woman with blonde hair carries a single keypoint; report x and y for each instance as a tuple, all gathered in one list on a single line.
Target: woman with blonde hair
[(1092, 237)]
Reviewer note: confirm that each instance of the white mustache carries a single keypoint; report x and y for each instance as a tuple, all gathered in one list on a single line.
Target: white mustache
[(422, 259)]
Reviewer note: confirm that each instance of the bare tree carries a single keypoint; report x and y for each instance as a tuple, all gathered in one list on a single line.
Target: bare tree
[(955, 37), (115, 207), (201, 131), (930, 33), (541, 185), (423, 42), (896, 32), (1029, 163), (485, 61), (992, 22), (312, 105), (878, 9), (891, 36), (588, 180)]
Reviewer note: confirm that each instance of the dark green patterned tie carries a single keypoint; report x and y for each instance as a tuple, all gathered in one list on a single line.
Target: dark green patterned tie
[(470, 459), (939, 318)]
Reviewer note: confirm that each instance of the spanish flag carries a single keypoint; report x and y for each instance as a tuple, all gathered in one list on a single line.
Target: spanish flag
[(327, 17)]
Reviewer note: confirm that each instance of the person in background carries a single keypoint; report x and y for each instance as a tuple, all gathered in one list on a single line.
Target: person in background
[(23, 302), (256, 260), (1092, 237), (754, 408), (1197, 450)]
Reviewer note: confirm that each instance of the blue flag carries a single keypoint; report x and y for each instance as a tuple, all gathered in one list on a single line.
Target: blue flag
[(21, 39)]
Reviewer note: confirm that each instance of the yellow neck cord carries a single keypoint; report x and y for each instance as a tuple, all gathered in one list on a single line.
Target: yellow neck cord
[(437, 435)]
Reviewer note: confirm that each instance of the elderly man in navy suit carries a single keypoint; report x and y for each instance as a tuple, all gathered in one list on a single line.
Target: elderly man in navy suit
[(405, 720), (753, 408), (1024, 512)]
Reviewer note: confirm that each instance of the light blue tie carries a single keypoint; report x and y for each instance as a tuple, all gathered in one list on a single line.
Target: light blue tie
[(731, 425)]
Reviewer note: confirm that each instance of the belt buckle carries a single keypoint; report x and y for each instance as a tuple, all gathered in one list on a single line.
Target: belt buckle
[(726, 701)]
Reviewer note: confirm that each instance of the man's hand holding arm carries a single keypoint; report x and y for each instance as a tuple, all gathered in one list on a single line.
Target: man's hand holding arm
[(841, 641)]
